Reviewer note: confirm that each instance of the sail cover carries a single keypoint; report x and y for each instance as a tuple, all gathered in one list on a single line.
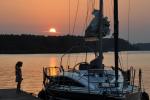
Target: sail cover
[(92, 32)]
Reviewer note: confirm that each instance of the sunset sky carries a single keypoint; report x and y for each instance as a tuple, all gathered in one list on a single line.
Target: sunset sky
[(38, 16)]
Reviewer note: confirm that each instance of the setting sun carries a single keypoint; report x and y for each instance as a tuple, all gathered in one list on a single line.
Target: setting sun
[(52, 30)]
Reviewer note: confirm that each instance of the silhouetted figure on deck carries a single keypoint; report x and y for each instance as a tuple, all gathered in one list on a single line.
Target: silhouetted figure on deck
[(18, 75), (95, 64)]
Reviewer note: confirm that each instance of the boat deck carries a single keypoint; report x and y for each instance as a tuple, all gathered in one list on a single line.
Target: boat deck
[(10, 94)]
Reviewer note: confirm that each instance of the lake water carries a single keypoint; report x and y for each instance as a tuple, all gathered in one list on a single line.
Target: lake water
[(34, 63)]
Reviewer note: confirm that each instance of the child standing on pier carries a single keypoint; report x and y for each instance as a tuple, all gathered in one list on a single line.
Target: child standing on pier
[(18, 75)]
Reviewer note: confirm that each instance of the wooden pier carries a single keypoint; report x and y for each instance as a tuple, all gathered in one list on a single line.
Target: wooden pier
[(10, 94)]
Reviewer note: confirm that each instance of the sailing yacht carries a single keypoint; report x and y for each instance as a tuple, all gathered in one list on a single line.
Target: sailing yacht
[(93, 80)]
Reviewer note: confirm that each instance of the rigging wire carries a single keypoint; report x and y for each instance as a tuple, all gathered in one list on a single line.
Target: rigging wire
[(106, 9), (86, 17), (76, 14), (128, 46), (112, 17), (93, 4), (68, 61), (69, 17), (110, 13), (76, 59), (120, 60)]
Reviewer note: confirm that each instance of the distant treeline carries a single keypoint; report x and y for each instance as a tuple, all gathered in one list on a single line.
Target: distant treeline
[(23, 44)]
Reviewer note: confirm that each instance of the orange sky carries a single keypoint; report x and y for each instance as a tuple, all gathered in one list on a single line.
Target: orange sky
[(37, 16)]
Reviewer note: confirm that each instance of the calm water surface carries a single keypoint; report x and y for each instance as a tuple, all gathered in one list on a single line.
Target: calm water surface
[(33, 64)]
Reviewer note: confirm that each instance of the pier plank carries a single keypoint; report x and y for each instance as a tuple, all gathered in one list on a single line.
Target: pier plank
[(10, 94)]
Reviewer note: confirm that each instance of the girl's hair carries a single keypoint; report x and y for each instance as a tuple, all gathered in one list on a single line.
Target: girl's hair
[(19, 63)]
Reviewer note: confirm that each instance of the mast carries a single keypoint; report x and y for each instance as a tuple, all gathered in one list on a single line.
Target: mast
[(100, 31), (116, 34)]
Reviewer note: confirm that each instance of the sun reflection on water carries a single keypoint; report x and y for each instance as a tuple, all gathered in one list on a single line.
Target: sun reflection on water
[(53, 71)]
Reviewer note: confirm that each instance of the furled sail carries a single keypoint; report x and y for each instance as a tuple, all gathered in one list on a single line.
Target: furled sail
[(92, 31)]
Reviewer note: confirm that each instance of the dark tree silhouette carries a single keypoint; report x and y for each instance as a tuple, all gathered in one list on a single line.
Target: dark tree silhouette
[(52, 44)]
